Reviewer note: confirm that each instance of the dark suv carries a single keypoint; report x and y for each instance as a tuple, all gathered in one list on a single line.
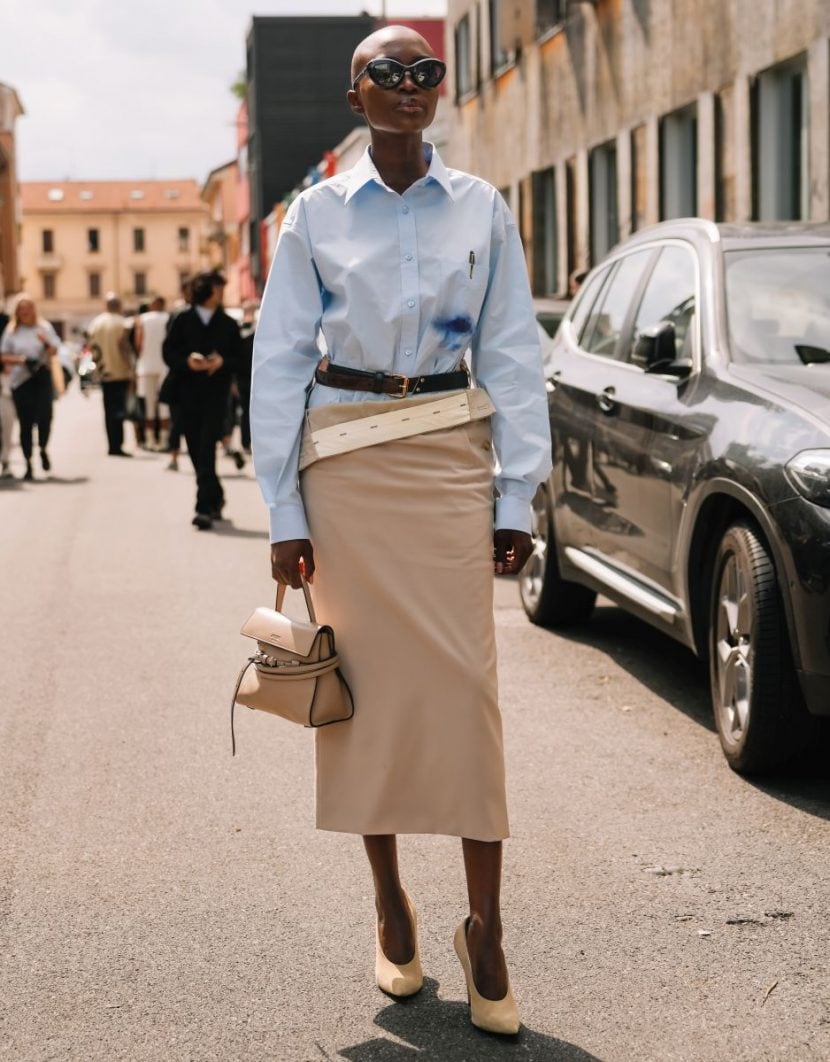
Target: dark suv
[(689, 390)]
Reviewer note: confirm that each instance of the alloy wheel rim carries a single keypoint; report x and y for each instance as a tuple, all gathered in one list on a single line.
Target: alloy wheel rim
[(733, 650), (533, 574)]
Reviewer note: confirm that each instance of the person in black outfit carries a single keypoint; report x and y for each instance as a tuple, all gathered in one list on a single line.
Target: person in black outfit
[(203, 349), (243, 376)]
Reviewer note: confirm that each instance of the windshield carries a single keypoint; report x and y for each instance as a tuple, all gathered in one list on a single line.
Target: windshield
[(778, 305)]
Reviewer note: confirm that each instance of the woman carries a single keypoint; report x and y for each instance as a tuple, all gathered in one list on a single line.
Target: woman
[(27, 346), (405, 267)]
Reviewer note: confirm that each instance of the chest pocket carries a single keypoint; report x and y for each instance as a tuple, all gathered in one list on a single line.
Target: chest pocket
[(465, 272)]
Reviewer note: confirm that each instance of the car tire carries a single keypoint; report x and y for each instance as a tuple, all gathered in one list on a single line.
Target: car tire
[(759, 711), (547, 598)]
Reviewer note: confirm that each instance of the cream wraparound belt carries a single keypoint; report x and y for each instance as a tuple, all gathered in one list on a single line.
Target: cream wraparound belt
[(342, 427)]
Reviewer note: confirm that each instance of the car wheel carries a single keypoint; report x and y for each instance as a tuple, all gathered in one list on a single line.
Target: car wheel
[(548, 599), (759, 711)]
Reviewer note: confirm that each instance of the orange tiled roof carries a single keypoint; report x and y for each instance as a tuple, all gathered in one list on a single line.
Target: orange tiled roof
[(90, 197)]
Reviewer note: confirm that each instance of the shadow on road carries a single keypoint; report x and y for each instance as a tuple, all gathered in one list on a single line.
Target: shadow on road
[(435, 1031), (227, 530), (808, 789), (675, 674), (660, 663), (63, 481)]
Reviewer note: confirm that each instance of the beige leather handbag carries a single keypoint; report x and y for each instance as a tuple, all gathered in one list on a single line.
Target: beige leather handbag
[(295, 671)]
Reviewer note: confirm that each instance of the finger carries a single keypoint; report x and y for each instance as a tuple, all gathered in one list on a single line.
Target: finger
[(309, 567)]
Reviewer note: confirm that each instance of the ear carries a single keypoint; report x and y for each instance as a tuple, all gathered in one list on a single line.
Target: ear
[(354, 101)]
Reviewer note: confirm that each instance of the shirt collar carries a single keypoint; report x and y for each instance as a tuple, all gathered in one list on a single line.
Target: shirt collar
[(205, 314), (365, 171)]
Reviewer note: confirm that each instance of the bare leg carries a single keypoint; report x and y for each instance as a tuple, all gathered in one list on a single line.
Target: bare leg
[(482, 862), (396, 932)]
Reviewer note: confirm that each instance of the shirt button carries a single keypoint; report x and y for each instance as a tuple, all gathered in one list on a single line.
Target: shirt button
[(409, 258), (405, 210), (410, 303), (408, 352)]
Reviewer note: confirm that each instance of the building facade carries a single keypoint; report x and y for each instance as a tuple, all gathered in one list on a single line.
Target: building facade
[(596, 118), (84, 239), (10, 110), (219, 194)]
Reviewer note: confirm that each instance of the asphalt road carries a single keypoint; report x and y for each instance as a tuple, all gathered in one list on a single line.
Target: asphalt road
[(159, 900)]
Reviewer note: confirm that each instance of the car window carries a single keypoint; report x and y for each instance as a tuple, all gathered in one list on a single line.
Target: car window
[(585, 300), (670, 295), (608, 316), (778, 302)]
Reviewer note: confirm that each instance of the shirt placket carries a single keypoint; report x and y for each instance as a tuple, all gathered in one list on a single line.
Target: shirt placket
[(410, 288)]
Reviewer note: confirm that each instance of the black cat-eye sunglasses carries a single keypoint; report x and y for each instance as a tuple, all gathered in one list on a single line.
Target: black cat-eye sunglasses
[(389, 73)]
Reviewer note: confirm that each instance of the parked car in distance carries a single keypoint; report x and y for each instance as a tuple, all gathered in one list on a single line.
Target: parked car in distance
[(549, 314), (689, 392)]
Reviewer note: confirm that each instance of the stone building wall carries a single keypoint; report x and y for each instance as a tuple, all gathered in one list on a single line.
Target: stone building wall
[(609, 72)]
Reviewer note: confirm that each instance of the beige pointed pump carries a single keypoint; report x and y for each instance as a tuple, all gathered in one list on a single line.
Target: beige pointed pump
[(399, 979), (492, 1015)]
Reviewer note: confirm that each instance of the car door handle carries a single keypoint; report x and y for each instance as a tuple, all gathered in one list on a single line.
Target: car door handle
[(552, 381), (605, 400)]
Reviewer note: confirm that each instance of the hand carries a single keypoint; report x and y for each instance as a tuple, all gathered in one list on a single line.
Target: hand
[(511, 551), (214, 363), (290, 559), (196, 364)]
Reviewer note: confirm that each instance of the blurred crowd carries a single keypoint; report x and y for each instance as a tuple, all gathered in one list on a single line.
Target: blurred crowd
[(171, 379)]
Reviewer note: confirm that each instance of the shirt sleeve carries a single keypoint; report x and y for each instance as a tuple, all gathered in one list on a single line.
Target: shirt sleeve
[(285, 357), (507, 363), (51, 335), (172, 348)]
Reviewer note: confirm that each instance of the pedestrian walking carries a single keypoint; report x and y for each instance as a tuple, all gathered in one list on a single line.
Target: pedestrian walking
[(150, 369), (406, 267), (115, 361), (7, 415), (243, 376), (202, 349), (28, 345), (169, 386)]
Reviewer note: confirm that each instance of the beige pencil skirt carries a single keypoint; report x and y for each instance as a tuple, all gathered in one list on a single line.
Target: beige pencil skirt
[(403, 543)]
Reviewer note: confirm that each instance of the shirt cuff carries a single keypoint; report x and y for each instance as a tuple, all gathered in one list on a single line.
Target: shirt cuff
[(513, 513), (288, 522)]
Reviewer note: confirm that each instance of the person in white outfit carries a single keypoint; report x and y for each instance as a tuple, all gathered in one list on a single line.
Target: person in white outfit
[(150, 369)]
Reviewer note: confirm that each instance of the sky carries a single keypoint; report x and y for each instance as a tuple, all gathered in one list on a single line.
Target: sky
[(120, 90)]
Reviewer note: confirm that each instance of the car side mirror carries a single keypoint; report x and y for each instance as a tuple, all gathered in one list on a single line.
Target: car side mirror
[(656, 345), (656, 351)]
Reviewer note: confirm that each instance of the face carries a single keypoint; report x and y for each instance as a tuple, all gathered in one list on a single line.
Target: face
[(26, 312), (407, 108)]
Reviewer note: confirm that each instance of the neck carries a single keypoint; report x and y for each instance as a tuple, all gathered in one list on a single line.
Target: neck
[(399, 159)]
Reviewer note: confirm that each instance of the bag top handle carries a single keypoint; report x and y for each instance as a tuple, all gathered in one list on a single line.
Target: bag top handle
[(309, 604)]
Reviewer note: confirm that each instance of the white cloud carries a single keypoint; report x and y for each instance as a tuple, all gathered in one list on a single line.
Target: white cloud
[(115, 90)]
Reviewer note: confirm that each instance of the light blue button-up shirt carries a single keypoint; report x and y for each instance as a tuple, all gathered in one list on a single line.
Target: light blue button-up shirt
[(405, 284)]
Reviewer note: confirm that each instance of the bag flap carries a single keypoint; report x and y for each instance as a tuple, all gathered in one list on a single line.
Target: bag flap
[(272, 627)]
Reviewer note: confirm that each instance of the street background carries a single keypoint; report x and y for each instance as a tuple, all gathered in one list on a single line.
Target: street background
[(163, 901)]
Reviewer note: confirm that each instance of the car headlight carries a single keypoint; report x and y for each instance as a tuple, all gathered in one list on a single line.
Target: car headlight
[(809, 473)]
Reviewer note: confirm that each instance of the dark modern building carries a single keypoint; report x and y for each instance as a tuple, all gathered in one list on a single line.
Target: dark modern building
[(298, 76)]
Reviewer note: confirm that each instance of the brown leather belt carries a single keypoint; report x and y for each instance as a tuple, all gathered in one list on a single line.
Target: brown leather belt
[(383, 383)]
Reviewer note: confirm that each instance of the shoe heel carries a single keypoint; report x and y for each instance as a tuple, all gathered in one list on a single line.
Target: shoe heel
[(499, 1016), (399, 979)]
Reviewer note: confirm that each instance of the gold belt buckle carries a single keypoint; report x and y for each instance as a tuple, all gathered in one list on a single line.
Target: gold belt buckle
[(404, 385)]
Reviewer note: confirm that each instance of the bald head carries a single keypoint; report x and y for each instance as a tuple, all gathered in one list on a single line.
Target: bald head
[(386, 42)]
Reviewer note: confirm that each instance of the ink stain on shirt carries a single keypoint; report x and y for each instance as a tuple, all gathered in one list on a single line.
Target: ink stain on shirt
[(455, 331)]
